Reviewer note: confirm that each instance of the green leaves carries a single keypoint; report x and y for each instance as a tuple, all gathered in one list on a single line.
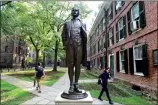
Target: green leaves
[(39, 21)]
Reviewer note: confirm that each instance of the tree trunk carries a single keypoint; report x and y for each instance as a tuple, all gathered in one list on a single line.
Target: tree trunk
[(55, 59), (37, 56), (44, 59)]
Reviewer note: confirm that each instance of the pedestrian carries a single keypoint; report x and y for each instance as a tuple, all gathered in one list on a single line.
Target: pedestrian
[(38, 75), (104, 76)]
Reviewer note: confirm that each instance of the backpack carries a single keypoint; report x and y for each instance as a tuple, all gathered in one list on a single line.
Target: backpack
[(99, 81), (39, 72)]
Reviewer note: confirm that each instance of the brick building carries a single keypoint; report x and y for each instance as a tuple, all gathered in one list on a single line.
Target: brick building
[(124, 37), (13, 51)]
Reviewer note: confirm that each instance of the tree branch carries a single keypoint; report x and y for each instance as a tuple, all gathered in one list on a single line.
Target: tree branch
[(33, 42), (4, 3)]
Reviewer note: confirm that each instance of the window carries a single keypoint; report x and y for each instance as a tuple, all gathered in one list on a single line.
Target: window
[(29, 55), (155, 57), (118, 5), (122, 61), (98, 63), (136, 17), (6, 48), (121, 29), (110, 13), (104, 41), (15, 60), (101, 26), (19, 59), (98, 45), (140, 60), (104, 23), (138, 53), (97, 31), (111, 37)]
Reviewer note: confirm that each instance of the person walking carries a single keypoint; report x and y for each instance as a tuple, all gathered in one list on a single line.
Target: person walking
[(38, 75), (104, 76)]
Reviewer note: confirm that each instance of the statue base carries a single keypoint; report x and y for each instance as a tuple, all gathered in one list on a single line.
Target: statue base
[(65, 101), (74, 95)]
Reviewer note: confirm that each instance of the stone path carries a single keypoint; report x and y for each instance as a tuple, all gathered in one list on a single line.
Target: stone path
[(48, 94)]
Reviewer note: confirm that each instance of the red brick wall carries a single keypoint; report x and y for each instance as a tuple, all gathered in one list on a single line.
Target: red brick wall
[(147, 35)]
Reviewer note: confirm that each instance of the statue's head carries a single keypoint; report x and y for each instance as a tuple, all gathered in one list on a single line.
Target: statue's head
[(75, 11)]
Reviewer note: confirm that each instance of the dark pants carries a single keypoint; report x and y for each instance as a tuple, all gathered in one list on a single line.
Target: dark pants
[(105, 88)]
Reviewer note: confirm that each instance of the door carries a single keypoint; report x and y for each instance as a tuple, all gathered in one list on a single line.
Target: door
[(111, 64)]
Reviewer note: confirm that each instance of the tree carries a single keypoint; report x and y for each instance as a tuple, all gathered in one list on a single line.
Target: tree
[(56, 14), (39, 23)]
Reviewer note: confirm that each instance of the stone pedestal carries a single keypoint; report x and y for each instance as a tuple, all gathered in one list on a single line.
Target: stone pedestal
[(62, 101)]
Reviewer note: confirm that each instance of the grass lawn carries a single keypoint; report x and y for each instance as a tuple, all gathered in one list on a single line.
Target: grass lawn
[(123, 95), (87, 75), (11, 95), (28, 75)]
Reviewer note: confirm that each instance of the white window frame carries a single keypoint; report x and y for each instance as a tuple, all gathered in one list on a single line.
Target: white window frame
[(120, 62), (134, 60), (120, 28)]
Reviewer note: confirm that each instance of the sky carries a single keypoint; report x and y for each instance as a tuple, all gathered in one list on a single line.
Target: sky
[(93, 5)]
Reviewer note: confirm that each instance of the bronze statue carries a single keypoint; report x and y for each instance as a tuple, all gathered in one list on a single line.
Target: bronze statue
[(74, 40)]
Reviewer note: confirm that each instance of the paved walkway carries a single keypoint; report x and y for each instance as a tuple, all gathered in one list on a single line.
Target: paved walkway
[(48, 94), (92, 81)]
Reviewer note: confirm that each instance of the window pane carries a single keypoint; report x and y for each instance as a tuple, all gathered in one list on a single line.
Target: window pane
[(138, 52), (123, 66), (110, 42), (120, 24), (110, 33), (135, 12), (121, 34), (122, 56), (118, 4), (139, 64)]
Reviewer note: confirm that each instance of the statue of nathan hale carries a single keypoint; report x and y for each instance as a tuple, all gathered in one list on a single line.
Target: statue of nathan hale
[(74, 40)]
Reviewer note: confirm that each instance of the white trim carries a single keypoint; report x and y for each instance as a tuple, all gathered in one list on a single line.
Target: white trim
[(139, 74), (121, 38), (121, 71)]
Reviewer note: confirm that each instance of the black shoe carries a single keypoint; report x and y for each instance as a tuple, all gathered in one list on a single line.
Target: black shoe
[(39, 91), (100, 99), (71, 89), (36, 88), (76, 88), (110, 102)]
